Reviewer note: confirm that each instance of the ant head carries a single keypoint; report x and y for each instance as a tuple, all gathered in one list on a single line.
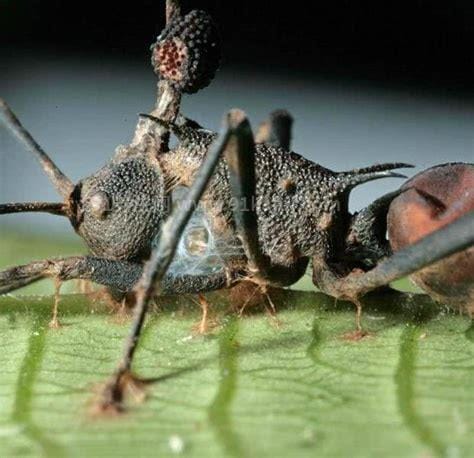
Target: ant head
[(118, 210)]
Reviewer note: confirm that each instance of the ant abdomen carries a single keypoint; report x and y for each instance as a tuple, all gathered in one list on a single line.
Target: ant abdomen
[(431, 200)]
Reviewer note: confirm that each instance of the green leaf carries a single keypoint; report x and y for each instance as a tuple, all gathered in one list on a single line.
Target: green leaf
[(250, 388)]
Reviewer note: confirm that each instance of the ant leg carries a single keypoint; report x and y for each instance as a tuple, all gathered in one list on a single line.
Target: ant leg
[(60, 181), (276, 130), (155, 268), (54, 323), (447, 240), (119, 275), (203, 326), (240, 158), (116, 274)]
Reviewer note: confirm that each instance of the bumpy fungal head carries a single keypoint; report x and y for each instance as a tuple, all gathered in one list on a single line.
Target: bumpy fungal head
[(118, 211), (187, 53)]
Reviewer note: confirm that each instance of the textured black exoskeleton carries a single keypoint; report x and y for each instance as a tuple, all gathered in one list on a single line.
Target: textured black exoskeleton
[(277, 210)]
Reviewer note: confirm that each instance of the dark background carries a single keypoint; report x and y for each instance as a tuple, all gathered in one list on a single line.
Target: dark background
[(429, 44), (366, 82)]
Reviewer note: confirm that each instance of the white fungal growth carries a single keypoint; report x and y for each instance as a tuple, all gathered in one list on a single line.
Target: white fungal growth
[(200, 251)]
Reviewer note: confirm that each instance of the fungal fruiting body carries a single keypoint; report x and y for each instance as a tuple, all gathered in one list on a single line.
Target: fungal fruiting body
[(187, 52)]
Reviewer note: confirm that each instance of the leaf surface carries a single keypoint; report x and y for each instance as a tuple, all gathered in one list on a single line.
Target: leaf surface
[(251, 388)]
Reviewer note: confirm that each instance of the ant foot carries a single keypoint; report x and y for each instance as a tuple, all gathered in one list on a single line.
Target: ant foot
[(54, 323), (355, 336), (122, 385)]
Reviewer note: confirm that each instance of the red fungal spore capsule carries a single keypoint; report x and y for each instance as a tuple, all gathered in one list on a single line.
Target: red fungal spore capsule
[(432, 199), (187, 52)]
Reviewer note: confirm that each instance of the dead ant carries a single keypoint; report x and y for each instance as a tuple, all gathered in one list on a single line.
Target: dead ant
[(280, 209)]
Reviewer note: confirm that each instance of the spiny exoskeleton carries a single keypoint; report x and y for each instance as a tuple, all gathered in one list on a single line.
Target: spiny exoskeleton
[(276, 209)]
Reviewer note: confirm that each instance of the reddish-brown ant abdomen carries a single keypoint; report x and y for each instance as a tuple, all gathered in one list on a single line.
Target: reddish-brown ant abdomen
[(433, 199)]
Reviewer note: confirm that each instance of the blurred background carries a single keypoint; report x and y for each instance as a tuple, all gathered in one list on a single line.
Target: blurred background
[(366, 82)]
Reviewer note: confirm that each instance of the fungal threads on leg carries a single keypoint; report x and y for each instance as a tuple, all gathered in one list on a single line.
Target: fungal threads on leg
[(207, 323), (54, 323), (123, 388), (270, 307), (359, 333), (203, 325)]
